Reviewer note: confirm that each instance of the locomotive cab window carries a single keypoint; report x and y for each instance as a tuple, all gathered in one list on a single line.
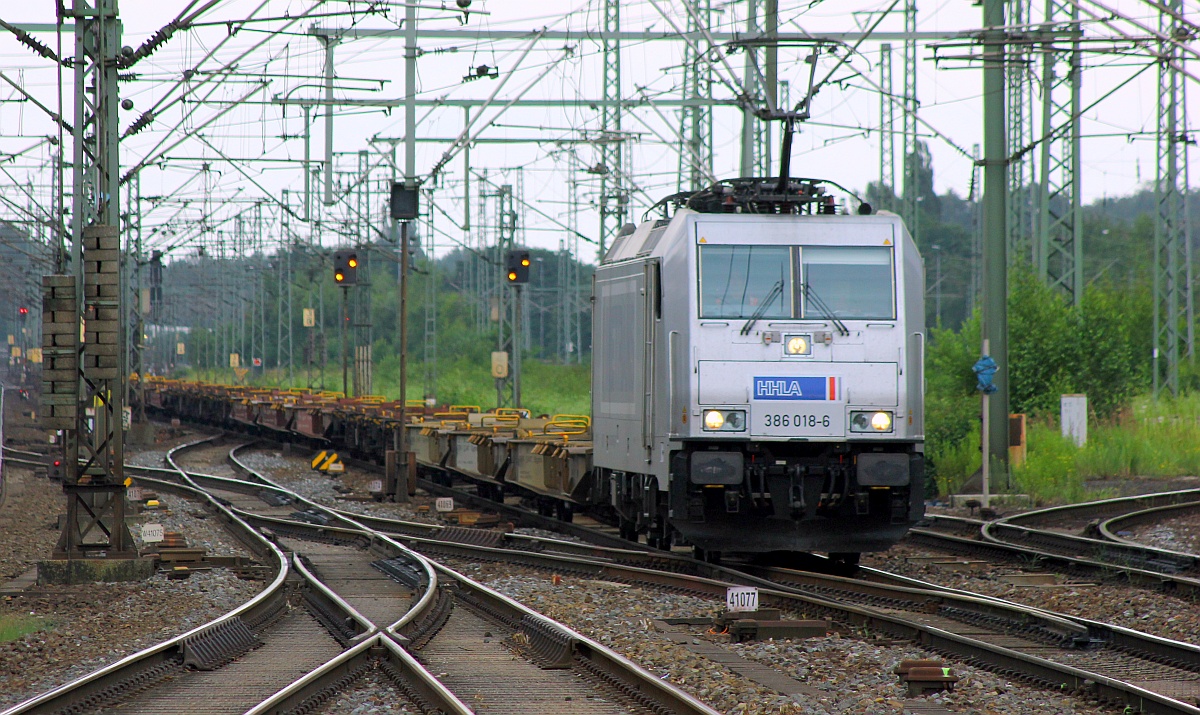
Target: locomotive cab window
[(746, 281), (847, 281)]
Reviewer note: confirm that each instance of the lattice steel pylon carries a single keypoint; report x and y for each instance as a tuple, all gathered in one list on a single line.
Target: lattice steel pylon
[(430, 345), (137, 307), (695, 160), (84, 381), (1019, 78), (508, 390), (1059, 248), (912, 190), (614, 200), (1170, 235), (283, 309), (887, 131), (751, 153)]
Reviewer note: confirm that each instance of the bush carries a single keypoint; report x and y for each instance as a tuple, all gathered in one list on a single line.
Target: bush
[(1049, 474), (1055, 348)]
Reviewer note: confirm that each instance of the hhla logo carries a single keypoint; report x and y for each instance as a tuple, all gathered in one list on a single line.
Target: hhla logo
[(795, 388)]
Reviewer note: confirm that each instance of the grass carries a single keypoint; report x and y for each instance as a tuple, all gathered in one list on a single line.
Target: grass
[(1149, 439), (15, 625)]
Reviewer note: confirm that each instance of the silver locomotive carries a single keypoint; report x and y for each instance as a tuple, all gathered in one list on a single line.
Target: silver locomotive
[(757, 373)]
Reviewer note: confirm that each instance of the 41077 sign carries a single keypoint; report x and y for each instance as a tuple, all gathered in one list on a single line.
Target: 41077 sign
[(741, 598)]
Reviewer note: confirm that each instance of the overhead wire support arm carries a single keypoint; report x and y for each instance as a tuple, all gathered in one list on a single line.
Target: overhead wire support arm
[(32, 43), (852, 50), (163, 35), (465, 136), (240, 170), (734, 85), (151, 159), (159, 107), (708, 174), (53, 115)]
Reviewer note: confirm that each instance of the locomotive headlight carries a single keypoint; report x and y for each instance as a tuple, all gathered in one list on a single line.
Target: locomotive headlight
[(878, 421), (724, 420), (798, 345)]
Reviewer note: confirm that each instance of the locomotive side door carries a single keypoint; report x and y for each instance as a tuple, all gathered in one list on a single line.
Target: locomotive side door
[(652, 313)]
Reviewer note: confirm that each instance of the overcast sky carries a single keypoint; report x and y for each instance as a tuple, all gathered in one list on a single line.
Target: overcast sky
[(841, 142)]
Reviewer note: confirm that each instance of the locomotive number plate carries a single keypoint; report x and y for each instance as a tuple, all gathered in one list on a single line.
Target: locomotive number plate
[(806, 421)]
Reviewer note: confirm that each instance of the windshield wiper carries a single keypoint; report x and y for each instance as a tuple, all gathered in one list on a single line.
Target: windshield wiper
[(762, 307), (811, 296)]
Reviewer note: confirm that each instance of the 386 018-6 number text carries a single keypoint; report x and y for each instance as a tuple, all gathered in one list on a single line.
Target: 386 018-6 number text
[(797, 420)]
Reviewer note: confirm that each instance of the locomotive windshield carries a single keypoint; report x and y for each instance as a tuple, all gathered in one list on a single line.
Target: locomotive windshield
[(853, 282), (745, 281)]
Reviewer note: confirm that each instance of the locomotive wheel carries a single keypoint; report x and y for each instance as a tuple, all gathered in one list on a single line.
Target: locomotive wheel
[(707, 555)]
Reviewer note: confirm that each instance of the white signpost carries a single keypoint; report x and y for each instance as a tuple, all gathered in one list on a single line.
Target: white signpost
[(741, 599), (1075, 418), (152, 533)]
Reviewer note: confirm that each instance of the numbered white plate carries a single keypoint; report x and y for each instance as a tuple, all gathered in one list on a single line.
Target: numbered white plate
[(741, 599), (152, 533), (444, 504)]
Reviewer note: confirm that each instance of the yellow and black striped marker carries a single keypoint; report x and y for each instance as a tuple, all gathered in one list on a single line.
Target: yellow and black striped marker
[(324, 460)]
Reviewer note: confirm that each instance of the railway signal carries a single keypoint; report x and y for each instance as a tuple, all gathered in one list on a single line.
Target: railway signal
[(516, 267), (345, 268)]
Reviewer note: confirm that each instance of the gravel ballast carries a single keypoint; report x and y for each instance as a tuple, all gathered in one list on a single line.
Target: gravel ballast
[(78, 637), (83, 627), (850, 675)]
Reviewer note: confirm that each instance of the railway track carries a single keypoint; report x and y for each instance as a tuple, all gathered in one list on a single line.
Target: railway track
[(1079, 540), (1041, 643), (358, 585), (1151, 675)]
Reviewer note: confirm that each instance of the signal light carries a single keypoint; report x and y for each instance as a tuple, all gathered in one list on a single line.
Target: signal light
[(345, 268), (23, 311), (516, 266)]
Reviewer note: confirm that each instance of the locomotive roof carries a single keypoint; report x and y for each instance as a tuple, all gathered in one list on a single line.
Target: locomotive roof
[(641, 241)]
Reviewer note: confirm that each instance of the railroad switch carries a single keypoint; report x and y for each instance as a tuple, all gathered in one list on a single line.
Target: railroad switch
[(925, 676)]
